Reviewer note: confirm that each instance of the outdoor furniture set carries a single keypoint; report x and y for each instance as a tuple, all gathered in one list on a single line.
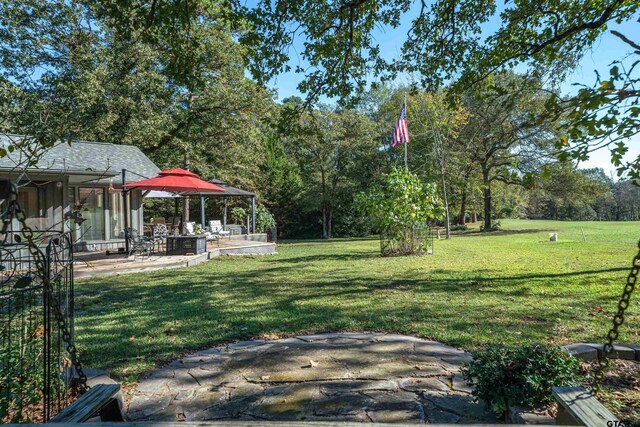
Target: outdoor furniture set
[(192, 240)]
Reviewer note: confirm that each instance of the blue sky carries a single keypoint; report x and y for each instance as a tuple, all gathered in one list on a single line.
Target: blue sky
[(606, 50)]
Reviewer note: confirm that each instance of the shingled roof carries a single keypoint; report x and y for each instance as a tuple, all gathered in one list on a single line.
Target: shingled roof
[(87, 157)]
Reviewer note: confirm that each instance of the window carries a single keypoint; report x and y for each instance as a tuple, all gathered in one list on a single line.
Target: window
[(32, 201)]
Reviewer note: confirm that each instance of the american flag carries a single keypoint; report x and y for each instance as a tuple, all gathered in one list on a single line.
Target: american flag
[(401, 134)]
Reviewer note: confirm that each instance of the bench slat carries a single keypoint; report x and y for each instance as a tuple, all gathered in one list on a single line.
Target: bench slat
[(88, 404), (582, 406)]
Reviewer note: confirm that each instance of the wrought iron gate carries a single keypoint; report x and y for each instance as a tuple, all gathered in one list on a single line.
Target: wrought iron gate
[(36, 373)]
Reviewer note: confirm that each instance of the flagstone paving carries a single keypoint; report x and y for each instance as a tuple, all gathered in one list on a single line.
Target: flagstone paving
[(330, 377)]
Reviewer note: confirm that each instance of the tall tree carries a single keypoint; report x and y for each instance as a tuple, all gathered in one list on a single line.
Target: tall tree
[(436, 124), (281, 184), (503, 141), (178, 91), (330, 147)]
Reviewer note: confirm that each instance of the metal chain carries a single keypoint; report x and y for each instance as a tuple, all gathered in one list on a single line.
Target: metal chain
[(15, 211), (618, 320)]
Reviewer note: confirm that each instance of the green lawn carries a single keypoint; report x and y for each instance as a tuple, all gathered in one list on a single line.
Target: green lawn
[(512, 286)]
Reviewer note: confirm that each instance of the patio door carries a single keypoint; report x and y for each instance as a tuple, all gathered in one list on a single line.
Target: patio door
[(91, 202)]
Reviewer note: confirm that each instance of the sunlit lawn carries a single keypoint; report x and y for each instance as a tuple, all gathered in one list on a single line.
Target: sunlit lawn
[(511, 287)]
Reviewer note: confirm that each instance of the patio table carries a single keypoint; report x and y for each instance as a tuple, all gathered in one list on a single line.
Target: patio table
[(183, 245)]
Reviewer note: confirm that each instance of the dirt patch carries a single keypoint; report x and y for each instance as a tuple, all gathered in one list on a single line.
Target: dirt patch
[(620, 392)]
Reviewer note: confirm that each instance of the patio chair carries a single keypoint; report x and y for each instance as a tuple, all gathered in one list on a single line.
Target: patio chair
[(173, 223), (139, 245), (158, 234), (215, 227)]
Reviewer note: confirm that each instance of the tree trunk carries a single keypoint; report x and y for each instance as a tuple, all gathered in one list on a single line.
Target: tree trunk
[(463, 208), (324, 221), (486, 192), (329, 222), (487, 208), (446, 204), (324, 204)]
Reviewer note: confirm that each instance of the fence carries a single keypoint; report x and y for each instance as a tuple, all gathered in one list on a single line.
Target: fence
[(35, 369), (413, 240)]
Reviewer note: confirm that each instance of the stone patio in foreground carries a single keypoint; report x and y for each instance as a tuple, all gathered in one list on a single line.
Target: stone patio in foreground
[(326, 377)]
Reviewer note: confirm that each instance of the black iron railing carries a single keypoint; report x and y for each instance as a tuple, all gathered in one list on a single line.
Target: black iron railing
[(36, 373)]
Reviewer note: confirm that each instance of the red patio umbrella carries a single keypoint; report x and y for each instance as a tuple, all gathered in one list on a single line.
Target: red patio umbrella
[(176, 181)]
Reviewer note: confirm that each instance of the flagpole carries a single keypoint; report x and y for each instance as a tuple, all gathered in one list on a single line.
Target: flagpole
[(405, 141)]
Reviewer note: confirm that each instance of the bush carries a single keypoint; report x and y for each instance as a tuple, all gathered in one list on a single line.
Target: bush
[(399, 208), (458, 227), (495, 226), (264, 219), (519, 375), (238, 215)]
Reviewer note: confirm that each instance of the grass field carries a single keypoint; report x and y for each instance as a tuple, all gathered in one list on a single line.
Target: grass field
[(511, 286)]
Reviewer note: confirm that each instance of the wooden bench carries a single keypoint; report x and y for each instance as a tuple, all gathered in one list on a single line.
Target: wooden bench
[(579, 408), (100, 400)]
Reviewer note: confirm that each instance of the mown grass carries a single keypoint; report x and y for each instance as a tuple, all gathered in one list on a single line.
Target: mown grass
[(511, 286)]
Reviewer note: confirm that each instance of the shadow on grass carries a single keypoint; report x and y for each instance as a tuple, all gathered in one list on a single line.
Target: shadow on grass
[(478, 233), (151, 318), (536, 275), (333, 257)]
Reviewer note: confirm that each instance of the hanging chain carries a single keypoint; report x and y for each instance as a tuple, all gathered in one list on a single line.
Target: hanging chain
[(15, 211), (618, 320)]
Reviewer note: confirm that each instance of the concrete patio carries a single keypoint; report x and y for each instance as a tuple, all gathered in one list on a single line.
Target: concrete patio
[(93, 264)]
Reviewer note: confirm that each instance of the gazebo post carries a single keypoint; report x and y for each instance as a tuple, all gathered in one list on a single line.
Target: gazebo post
[(202, 209), (224, 215), (253, 214)]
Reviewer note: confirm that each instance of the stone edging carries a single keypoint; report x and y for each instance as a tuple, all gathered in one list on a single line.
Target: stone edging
[(588, 352)]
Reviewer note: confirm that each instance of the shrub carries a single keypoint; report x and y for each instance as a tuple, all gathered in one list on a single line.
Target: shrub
[(399, 208), (459, 227), (264, 219), (494, 227), (519, 375), (238, 215)]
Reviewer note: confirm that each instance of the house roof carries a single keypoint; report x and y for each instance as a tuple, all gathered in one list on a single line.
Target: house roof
[(100, 159)]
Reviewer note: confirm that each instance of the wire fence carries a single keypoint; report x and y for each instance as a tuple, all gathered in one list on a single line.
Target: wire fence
[(410, 240), (36, 375)]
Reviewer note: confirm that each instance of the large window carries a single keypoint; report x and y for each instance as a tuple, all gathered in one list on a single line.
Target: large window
[(91, 202)]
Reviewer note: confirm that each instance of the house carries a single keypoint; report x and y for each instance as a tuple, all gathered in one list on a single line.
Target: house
[(83, 178)]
